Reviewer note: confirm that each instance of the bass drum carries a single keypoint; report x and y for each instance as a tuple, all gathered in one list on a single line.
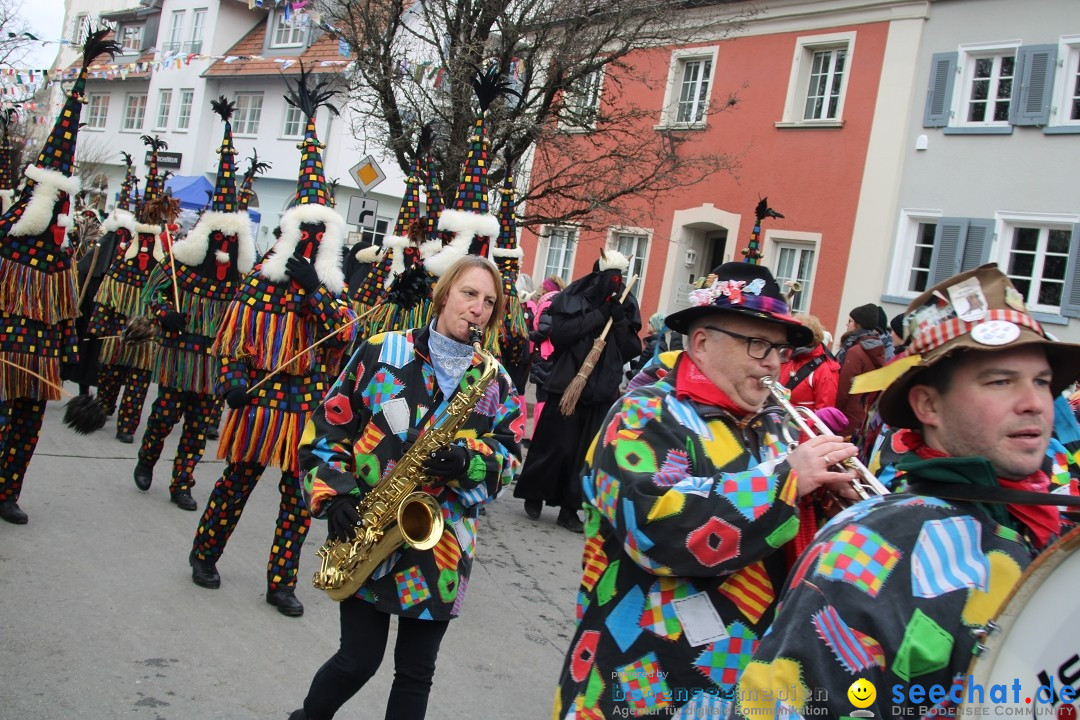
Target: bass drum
[(1036, 636)]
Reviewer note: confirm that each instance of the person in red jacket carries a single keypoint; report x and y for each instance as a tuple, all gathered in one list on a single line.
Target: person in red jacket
[(812, 373), (861, 351)]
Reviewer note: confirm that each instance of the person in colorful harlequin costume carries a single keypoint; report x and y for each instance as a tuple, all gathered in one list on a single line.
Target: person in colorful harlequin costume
[(209, 263), (393, 389), (895, 589), (39, 296), (691, 495), (118, 302), (294, 298)]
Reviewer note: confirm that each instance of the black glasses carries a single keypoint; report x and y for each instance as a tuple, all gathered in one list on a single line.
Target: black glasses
[(759, 348)]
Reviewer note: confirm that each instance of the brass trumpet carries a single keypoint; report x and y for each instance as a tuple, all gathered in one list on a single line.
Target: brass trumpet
[(865, 484)]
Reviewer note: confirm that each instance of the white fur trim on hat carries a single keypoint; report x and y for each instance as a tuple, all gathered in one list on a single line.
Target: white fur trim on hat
[(469, 223), (6, 198), (430, 247), (119, 218), (397, 244), (328, 256), (369, 254), (192, 249), (39, 208), (497, 252), (441, 261), (141, 227), (614, 260)]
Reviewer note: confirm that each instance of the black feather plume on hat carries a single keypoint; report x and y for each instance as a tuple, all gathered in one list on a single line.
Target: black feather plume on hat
[(308, 97), (223, 107)]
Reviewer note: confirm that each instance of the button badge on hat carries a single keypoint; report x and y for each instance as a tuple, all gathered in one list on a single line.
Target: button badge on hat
[(995, 332)]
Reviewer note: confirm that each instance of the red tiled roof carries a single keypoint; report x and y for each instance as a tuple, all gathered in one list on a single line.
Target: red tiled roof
[(246, 58)]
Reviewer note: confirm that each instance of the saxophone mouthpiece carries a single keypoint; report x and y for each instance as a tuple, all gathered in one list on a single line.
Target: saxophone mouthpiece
[(476, 335)]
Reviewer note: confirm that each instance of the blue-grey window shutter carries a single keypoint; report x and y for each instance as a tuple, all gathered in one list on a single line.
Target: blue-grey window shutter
[(977, 241), (948, 248), (1070, 303), (939, 94), (1035, 70)]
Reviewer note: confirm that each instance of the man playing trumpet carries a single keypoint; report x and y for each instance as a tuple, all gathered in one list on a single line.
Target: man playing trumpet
[(691, 497)]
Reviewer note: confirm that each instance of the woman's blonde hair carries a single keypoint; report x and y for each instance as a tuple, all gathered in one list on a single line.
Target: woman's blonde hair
[(815, 326), (442, 289)]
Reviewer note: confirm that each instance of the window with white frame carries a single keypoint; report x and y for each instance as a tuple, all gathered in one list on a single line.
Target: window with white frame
[(293, 125), (932, 248), (198, 20), (818, 82), (1036, 261), (689, 85), (176, 32), (795, 264), (248, 112), (559, 254), (1072, 85), (922, 253), (635, 246), (164, 106), (78, 28), (131, 38), (1066, 89), (583, 101), (183, 113), (134, 111), (97, 111), (988, 87), (287, 32)]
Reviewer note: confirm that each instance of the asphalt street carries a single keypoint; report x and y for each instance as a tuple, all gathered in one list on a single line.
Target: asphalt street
[(99, 617)]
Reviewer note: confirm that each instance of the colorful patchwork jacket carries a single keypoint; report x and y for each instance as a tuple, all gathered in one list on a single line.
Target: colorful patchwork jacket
[(892, 590), (687, 509), (362, 428)]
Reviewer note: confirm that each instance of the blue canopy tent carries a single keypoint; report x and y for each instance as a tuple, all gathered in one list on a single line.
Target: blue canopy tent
[(195, 192)]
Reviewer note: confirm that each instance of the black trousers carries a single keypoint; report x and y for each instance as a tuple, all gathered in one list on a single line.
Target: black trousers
[(364, 630)]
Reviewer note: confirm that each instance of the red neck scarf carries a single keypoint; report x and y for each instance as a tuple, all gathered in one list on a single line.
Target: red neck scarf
[(692, 384), (1043, 520)]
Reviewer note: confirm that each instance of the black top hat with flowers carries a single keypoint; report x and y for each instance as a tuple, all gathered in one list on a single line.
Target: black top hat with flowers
[(743, 289)]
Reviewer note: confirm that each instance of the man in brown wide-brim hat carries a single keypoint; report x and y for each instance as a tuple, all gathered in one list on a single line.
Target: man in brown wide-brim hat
[(896, 589)]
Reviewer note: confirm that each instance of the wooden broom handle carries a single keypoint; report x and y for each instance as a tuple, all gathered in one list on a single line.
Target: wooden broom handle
[(43, 379)]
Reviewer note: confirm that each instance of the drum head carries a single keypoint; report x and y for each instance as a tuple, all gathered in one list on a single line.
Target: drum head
[(1037, 640)]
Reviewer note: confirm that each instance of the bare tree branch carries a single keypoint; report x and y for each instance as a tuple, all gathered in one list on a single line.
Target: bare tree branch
[(413, 63)]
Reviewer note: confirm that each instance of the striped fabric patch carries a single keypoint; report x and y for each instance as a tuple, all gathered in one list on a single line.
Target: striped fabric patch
[(948, 556), (594, 561), (396, 351), (688, 417), (855, 651), (447, 552), (675, 467), (751, 590)]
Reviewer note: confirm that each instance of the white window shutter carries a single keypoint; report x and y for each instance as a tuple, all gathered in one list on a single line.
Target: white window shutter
[(1035, 72), (1070, 303), (939, 93)]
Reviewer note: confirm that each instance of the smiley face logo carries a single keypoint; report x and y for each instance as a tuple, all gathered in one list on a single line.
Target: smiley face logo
[(862, 693)]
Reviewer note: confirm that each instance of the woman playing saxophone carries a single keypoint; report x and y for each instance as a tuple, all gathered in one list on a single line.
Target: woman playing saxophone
[(390, 394)]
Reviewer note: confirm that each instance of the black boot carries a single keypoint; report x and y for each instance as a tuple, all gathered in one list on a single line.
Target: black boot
[(144, 476), (298, 715), (183, 500), (568, 519), (533, 508), (212, 433), (126, 438), (284, 599), (12, 513), (204, 572)]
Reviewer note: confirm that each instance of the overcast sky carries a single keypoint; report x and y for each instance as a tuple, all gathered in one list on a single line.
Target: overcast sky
[(46, 20)]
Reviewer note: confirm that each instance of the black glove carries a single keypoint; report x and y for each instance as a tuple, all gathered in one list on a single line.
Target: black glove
[(174, 321), (342, 518), (236, 398), (450, 462), (618, 312), (303, 273)]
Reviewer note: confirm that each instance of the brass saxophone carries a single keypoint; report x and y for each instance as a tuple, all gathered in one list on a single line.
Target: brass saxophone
[(396, 511)]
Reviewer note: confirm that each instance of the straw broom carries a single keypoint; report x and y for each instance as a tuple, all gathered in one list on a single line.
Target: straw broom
[(577, 385)]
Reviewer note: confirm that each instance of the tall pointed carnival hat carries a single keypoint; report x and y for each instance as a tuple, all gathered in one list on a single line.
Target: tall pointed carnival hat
[(129, 188), (473, 226), (399, 276), (312, 202), (433, 201), (156, 210), (224, 218), (155, 183), (8, 119), (514, 333), (245, 192), (37, 275), (123, 217)]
